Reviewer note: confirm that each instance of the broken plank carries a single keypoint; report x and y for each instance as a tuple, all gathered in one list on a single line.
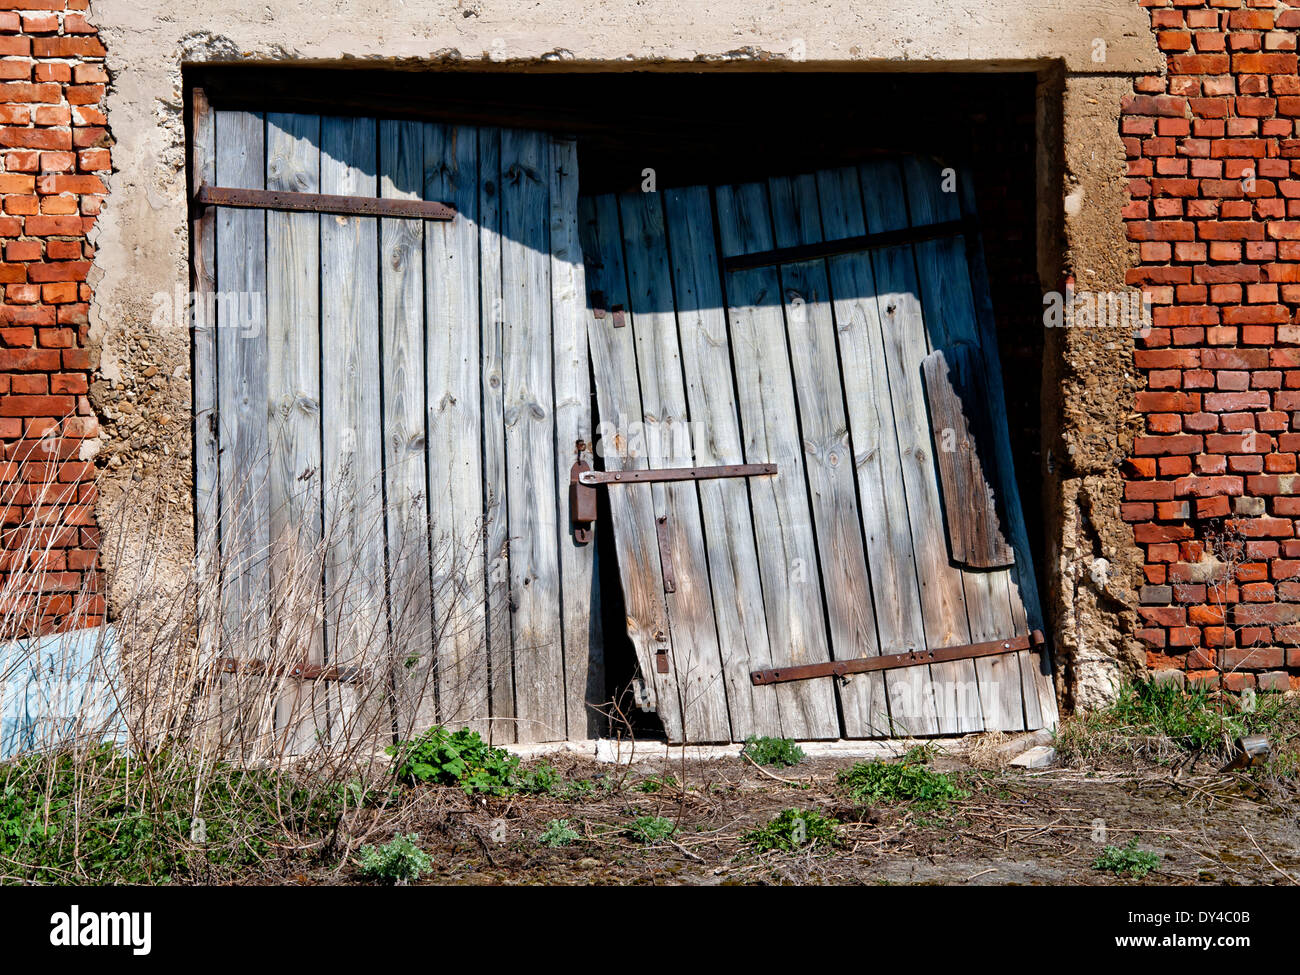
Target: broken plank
[(618, 397), (955, 392), (665, 431)]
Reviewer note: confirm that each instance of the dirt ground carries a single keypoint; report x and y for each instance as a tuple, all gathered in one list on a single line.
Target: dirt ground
[(1016, 827)]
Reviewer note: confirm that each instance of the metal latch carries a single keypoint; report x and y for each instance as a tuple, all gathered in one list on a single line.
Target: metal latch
[(583, 482), (582, 498)]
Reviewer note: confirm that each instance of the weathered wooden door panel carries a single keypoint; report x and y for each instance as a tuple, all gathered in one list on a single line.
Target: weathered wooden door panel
[(729, 540), (409, 412), (812, 359), (792, 585)]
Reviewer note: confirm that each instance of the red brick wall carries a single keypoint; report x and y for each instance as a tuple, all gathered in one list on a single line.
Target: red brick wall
[(1214, 166), (52, 157)]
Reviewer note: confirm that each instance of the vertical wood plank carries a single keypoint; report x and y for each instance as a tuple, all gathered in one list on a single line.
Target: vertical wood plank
[(618, 396), (293, 362), (584, 662), (828, 454), (943, 610), (496, 499), (782, 519), (203, 253), (949, 310), (242, 424), (242, 390), (456, 426), (876, 457), (665, 431), (529, 387), (405, 446), (716, 439), (350, 414)]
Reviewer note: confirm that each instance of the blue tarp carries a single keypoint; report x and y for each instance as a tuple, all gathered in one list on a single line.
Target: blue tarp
[(57, 688)]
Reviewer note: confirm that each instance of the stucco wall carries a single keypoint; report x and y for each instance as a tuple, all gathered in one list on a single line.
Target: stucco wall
[(1087, 54)]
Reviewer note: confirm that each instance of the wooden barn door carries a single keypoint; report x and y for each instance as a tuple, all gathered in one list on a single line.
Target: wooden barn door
[(387, 405), (837, 325)]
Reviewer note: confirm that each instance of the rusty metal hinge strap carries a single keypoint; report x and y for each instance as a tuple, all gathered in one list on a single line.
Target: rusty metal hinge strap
[(362, 206), (675, 474), (893, 661)]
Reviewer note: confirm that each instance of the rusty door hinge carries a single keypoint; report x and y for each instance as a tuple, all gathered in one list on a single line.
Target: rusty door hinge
[(892, 661)]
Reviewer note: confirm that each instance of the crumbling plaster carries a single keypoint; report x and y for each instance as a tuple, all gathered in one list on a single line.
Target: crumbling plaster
[(1086, 53)]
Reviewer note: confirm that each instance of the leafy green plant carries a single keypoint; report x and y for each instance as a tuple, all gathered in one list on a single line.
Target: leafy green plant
[(1127, 859), (541, 779), (907, 780), (794, 829), (657, 783), (461, 758), (651, 829), (776, 752), (400, 860), (558, 833)]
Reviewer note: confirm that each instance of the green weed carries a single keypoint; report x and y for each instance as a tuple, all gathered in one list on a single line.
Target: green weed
[(776, 752), (558, 833), (1127, 860), (794, 829), (651, 829), (400, 860)]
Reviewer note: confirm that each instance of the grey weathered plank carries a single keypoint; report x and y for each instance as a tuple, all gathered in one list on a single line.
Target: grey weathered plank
[(716, 439), (352, 455), (529, 400), (293, 362), (665, 433), (405, 444), (496, 501), (584, 663), (455, 423), (631, 507), (207, 562), (242, 424), (1035, 667), (792, 584), (828, 453), (242, 391), (948, 307), (879, 467), (943, 609), (955, 390)]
